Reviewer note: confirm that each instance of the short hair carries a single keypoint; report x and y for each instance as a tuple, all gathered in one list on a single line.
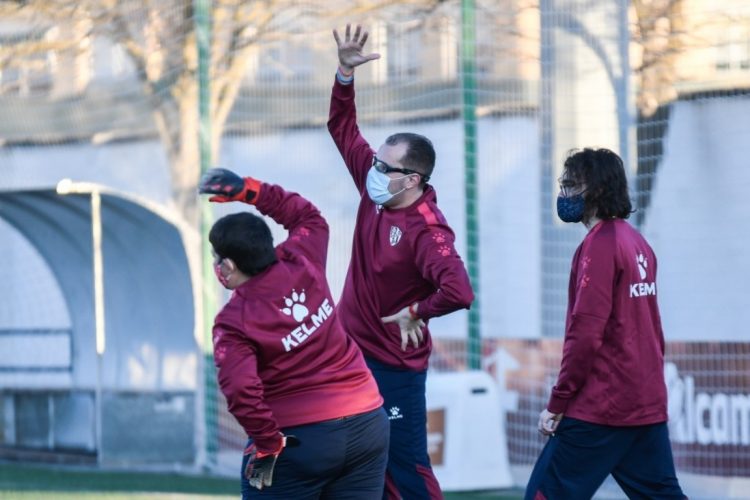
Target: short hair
[(606, 183), (420, 155), (246, 239)]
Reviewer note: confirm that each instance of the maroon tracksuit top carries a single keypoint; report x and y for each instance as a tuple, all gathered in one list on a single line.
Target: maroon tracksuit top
[(612, 369), (282, 355), (399, 256)]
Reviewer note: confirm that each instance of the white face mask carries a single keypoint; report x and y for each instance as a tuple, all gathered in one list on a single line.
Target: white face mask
[(377, 186)]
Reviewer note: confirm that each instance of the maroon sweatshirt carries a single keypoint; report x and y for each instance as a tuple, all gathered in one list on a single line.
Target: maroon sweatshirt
[(399, 256), (282, 355), (612, 369)]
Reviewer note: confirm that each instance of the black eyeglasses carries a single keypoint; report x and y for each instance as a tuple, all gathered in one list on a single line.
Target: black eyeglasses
[(383, 167), (567, 186)]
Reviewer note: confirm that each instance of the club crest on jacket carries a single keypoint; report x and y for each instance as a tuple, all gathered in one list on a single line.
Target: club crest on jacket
[(395, 236)]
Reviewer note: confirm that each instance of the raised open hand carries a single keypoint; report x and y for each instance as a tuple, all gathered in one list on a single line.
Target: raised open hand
[(350, 49)]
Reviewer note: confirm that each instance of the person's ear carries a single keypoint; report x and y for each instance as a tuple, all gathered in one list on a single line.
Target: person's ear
[(413, 180)]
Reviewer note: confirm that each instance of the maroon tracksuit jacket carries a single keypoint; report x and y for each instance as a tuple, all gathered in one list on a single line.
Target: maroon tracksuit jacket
[(399, 256), (612, 369), (282, 355)]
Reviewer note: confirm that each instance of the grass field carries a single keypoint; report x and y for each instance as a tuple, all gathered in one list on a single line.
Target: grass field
[(29, 482)]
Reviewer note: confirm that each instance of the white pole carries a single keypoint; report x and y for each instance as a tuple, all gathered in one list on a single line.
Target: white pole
[(96, 233), (623, 88)]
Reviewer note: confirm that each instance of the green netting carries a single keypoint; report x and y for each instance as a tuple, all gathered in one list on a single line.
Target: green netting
[(110, 92)]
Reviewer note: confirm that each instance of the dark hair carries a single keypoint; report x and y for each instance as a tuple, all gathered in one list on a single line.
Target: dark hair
[(603, 173), (420, 155), (246, 239)]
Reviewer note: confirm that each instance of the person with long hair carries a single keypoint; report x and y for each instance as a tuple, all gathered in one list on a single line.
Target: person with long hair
[(607, 413)]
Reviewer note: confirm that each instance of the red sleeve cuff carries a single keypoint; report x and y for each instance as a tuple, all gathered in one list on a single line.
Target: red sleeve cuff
[(413, 311), (343, 91), (557, 405), (253, 185), (269, 445)]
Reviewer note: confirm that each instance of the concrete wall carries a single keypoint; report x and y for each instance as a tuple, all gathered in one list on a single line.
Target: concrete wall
[(697, 221)]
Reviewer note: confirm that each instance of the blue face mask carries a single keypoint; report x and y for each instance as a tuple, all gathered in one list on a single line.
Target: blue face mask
[(377, 186), (570, 208)]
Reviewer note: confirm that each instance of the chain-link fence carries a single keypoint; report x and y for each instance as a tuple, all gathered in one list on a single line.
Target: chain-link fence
[(111, 93)]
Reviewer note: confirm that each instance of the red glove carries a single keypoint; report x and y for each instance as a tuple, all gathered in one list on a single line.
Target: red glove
[(228, 186)]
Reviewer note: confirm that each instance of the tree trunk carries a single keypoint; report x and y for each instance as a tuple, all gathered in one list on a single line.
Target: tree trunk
[(661, 28), (183, 153), (177, 123)]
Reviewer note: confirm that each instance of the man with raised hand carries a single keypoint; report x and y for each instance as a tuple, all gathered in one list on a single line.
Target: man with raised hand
[(295, 382), (404, 270)]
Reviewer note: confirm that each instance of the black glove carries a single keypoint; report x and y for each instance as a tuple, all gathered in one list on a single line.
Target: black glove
[(228, 186), (259, 469)]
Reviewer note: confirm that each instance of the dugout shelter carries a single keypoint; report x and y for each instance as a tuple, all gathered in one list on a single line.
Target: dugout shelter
[(130, 400)]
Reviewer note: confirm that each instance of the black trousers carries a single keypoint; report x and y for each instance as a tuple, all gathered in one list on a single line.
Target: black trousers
[(342, 459), (580, 456)]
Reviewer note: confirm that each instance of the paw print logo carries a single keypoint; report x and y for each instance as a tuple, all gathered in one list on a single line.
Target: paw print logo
[(444, 250), (439, 238), (585, 280), (642, 265), (302, 232), (218, 333), (586, 261), (395, 410), (295, 306), (220, 353)]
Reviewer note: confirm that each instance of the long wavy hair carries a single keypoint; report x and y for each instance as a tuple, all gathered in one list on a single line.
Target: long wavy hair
[(603, 173)]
